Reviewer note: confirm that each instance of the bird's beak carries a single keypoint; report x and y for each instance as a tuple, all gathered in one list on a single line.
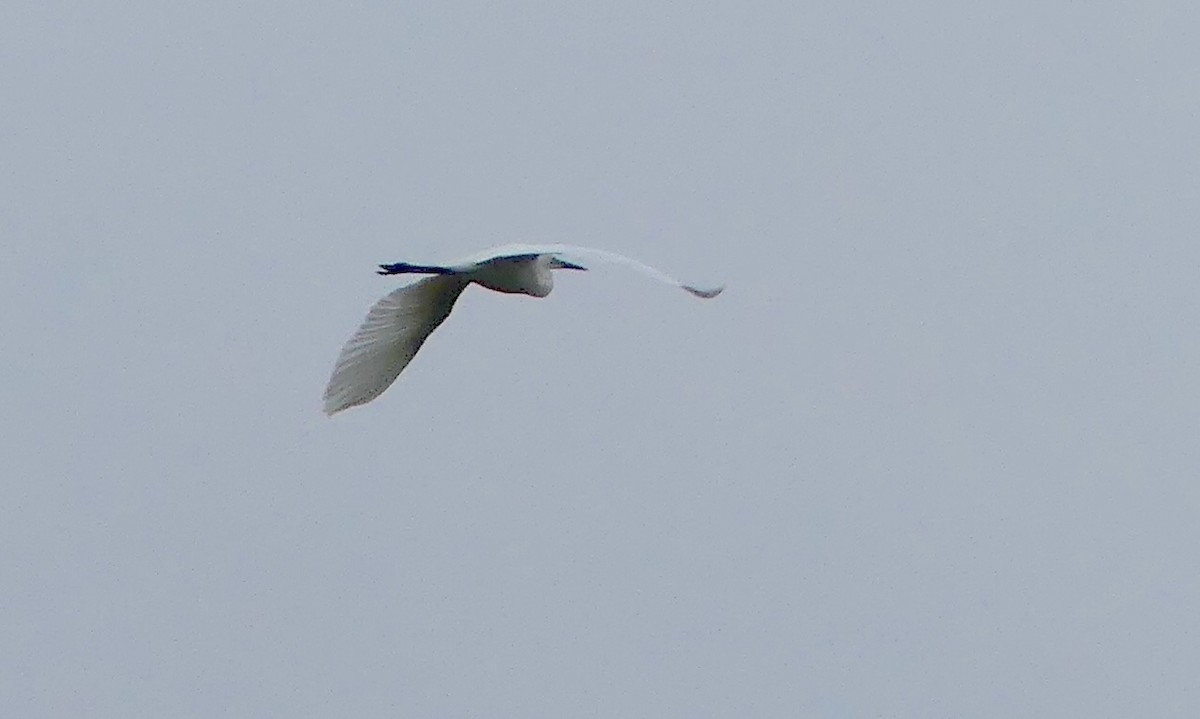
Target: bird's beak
[(560, 264)]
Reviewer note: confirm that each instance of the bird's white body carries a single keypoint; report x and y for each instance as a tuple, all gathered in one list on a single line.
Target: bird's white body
[(515, 275), (398, 324)]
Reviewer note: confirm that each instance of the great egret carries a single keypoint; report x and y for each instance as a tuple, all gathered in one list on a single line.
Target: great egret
[(399, 323)]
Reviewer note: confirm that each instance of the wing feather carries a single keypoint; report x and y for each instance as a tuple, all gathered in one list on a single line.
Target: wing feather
[(395, 328)]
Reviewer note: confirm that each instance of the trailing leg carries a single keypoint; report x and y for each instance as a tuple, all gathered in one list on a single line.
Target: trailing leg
[(403, 268)]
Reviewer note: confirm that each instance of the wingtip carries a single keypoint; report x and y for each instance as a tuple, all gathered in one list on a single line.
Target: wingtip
[(331, 406), (705, 293)]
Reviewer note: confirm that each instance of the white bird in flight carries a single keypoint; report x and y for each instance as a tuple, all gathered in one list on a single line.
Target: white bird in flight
[(399, 323)]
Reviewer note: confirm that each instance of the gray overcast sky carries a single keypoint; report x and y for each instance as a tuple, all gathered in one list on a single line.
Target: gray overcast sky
[(933, 453)]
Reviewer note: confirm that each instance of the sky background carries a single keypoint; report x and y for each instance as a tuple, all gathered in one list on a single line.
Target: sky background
[(933, 453)]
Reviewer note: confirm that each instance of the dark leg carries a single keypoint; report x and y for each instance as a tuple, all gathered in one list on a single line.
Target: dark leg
[(402, 268)]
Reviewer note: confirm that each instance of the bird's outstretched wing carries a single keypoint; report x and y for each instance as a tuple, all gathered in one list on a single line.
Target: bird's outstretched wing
[(388, 339), (588, 253)]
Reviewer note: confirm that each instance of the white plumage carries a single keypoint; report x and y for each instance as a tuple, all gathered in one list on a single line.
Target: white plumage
[(399, 323)]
